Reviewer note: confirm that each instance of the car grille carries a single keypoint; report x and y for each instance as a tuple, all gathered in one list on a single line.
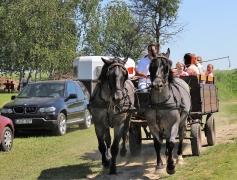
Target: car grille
[(24, 109)]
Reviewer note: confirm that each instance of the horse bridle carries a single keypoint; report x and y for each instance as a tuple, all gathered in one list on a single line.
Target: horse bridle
[(164, 80), (124, 94), (111, 66)]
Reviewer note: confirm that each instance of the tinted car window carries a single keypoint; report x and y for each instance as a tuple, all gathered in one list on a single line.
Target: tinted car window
[(79, 91), (28, 91), (70, 88), (42, 89), (84, 89)]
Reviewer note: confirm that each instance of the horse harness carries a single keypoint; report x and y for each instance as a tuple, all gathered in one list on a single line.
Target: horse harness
[(127, 104), (176, 104)]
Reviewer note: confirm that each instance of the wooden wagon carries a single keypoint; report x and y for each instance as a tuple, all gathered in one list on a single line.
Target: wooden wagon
[(205, 101)]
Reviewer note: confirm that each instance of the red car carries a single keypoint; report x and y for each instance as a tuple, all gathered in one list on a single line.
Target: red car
[(6, 133)]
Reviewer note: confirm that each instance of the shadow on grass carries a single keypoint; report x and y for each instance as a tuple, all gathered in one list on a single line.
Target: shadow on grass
[(41, 133), (79, 171), (135, 167)]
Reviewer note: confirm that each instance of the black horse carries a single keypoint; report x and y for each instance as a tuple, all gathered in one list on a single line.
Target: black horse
[(168, 108), (111, 101)]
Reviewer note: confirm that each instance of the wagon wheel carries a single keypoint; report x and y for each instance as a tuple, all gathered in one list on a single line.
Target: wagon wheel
[(210, 130), (135, 140), (196, 139)]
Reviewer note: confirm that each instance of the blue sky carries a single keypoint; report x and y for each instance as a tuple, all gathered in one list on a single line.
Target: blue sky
[(211, 32)]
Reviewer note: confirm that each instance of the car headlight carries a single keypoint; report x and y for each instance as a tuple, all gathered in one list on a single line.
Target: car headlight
[(48, 109), (7, 110)]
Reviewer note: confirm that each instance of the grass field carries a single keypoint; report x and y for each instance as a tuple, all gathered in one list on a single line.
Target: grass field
[(39, 155)]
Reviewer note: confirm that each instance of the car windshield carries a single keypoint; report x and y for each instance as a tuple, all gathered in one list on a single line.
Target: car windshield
[(42, 90)]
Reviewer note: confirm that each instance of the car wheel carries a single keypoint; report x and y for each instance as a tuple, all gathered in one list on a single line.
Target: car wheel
[(7, 139), (61, 128), (87, 120)]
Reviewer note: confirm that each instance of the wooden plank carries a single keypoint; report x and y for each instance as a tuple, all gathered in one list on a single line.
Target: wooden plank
[(201, 77), (210, 78)]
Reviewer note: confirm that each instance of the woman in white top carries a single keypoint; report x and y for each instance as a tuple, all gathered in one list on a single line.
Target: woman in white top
[(189, 61), (198, 62)]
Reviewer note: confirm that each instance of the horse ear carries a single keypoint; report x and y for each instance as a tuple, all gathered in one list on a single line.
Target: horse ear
[(106, 61), (168, 53), (125, 60)]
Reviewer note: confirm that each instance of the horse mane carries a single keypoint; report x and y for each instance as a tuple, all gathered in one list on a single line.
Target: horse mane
[(103, 74)]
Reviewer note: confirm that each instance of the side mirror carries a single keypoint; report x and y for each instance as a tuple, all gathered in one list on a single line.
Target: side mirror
[(72, 96), (13, 97)]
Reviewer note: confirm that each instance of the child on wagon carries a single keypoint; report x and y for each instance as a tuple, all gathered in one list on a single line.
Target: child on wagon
[(180, 70), (209, 72), (210, 68)]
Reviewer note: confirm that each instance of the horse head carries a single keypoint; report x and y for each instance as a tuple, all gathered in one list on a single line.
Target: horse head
[(116, 76), (160, 70)]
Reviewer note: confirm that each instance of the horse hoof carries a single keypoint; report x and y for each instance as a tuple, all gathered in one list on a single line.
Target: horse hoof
[(112, 173), (123, 153), (170, 172), (180, 160)]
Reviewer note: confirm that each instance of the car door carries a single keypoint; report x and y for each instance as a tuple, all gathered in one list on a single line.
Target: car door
[(81, 100), (72, 103)]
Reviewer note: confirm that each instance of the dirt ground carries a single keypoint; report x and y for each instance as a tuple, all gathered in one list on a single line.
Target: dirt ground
[(143, 167)]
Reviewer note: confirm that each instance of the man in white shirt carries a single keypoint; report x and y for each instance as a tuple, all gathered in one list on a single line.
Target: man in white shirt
[(23, 81), (143, 69)]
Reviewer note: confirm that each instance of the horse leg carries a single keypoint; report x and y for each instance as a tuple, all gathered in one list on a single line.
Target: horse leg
[(159, 162), (170, 147), (123, 150), (157, 138), (108, 144), (118, 130), (180, 159), (100, 133), (169, 155), (182, 131)]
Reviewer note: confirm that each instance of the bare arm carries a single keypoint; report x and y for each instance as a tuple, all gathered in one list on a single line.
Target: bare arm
[(138, 73)]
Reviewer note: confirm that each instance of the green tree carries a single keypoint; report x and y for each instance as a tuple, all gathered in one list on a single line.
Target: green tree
[(122, 32), (112, 31), (159, 19), (37, 35)]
